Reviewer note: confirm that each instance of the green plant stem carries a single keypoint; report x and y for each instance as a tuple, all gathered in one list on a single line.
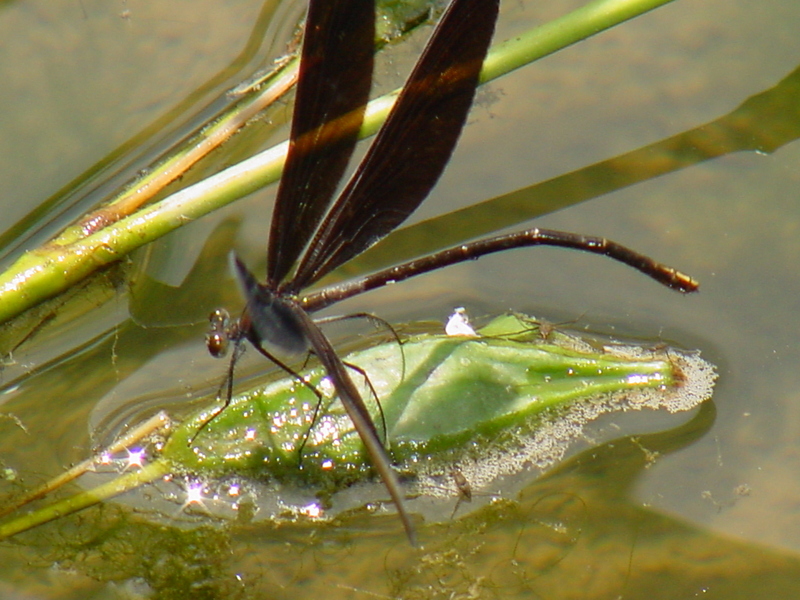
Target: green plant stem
[(45, 272), (73, 504)]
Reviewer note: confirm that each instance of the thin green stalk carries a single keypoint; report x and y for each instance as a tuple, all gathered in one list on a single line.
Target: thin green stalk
[(115, 487), (559, 33), (47, 271)]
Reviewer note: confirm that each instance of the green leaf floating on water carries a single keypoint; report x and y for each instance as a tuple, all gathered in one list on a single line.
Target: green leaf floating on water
[(437, 393), (510, 399)]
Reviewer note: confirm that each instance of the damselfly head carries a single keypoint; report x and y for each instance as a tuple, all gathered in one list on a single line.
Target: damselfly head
[(220, 332)]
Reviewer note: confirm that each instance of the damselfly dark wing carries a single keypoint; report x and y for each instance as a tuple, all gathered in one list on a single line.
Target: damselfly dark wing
[(399, 170), (397, 173), (332, 92), (412, 148)]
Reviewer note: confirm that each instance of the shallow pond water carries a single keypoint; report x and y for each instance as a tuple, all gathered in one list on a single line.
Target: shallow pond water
[(704, 507)]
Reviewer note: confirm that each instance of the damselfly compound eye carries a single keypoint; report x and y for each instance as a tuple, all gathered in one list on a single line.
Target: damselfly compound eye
[(219, 333)]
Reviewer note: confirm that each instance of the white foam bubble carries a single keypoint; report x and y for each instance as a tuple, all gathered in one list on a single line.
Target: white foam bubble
[(544, 441)]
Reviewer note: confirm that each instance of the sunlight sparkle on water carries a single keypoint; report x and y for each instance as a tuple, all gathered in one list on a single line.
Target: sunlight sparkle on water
[(278, 421), (326, 387), (641, 379), (135, 458), (326, 429), (313, 511), (194, 493)]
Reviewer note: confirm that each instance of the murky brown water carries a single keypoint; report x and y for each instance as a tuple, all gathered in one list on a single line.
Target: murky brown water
[(714, 515)]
